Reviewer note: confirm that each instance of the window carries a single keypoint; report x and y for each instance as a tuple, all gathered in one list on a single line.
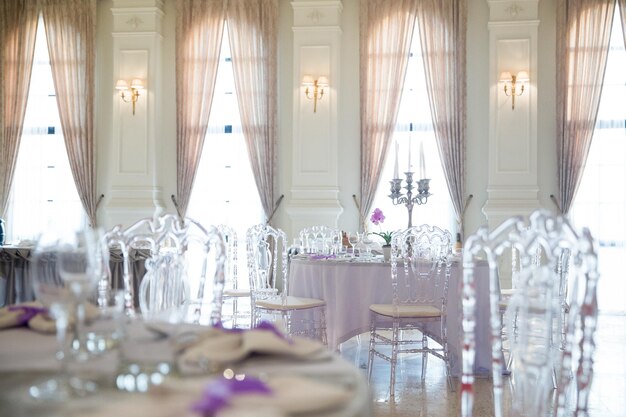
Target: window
[(43, 194), (414, 131), (600, 202), (224, 190)]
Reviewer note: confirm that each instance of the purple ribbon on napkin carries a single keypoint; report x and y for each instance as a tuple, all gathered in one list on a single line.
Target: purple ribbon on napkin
[(218, 393), (28, 312)]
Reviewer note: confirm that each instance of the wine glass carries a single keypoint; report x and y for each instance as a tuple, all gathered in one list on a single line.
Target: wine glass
[(64, 274), (353, 239)]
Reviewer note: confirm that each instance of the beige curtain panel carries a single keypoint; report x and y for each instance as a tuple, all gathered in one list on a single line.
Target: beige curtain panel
[(386, 29), (199, 29), (442, 27), (253, 31), (71, 29), (622, 10), (583, 35), (18, 28)]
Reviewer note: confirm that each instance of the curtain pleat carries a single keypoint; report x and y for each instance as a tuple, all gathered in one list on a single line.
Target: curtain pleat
[(442, 27), (622, 11), (71, 29), (583, 35), (18, 30), (253, 31), (386, 30), (199, 29)]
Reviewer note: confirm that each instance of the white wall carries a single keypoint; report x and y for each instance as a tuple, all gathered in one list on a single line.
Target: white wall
[(347, 111)]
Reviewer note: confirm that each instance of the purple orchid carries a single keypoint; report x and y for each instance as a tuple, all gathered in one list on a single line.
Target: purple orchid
[(377, 218)]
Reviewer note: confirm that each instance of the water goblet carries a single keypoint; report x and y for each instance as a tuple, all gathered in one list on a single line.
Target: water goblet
[(353, 239), (63, 274)]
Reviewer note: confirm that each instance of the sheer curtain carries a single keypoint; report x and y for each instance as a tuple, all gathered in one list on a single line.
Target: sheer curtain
[(71, 29), (385, 40), (622, 9), (199, 27), (252, 30), (442, 26), (18, 29), (583, 34)]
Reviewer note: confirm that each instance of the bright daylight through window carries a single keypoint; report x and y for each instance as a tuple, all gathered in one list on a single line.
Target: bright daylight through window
[(414, 127), (224, 190), (600, 202), (43, 195)]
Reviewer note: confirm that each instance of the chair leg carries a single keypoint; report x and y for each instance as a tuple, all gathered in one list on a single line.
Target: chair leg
[(424, 357), (370, 358), (235, 312), (394, 361)]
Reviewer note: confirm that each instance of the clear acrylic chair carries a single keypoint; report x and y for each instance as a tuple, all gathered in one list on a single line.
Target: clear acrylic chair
[(269, 286), (233, 312), (182, 254), (420, 274), (553, 312)]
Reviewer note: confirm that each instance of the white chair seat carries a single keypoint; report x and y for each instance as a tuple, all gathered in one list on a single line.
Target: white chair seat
[(390, 310), (235, 292), (292, 303), (507, 292)]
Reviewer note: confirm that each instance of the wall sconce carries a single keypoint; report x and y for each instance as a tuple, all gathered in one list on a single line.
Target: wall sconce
[(135, 85), (318, 88), (511, 82)]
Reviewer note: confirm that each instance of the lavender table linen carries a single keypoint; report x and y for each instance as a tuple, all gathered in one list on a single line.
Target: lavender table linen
[(350, 287)]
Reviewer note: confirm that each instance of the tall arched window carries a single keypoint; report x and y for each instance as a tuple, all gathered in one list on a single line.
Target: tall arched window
[(43, 195), (414, 133), (600, 202), (224, 190)]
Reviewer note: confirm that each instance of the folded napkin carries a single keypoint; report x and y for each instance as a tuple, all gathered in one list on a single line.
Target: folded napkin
[(275, 395), (292, 394), (215, 349), (35, 316), (32, 315)]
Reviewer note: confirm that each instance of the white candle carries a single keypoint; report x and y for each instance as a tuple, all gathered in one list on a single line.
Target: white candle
[(396, 173), (409, 168), (422, 161)]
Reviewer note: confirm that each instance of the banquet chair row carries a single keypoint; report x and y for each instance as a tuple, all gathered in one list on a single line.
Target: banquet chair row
[(177, 249), (195, 267), (551, 315)]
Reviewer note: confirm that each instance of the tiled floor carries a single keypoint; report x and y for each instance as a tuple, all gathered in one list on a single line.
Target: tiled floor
[(608, 396)]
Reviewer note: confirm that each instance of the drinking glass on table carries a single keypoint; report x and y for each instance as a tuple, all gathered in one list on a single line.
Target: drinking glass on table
[(64, 271), (354, 240)]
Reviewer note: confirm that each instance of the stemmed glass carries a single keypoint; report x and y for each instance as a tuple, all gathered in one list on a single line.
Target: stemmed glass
[(65, 271), (353, 239)]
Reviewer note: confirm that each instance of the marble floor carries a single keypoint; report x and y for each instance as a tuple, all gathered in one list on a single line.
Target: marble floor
[(608, 395)]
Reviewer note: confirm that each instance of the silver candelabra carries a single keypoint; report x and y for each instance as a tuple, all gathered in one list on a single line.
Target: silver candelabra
[(408, 199)]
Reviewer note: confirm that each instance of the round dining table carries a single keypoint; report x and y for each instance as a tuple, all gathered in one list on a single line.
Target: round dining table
[(27, 357), (350, 285)]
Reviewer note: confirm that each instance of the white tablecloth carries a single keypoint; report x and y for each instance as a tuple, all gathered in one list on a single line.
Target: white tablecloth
[(349, 288), (26, 357)]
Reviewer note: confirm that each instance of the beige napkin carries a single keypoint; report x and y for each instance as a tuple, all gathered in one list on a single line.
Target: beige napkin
[(41, 322), (291, 394), (295, 394), (221, 348)]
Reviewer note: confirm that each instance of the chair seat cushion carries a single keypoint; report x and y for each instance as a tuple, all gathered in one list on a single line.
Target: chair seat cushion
[(405, 310), (507, 292), (293, 303), (236, 292)]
